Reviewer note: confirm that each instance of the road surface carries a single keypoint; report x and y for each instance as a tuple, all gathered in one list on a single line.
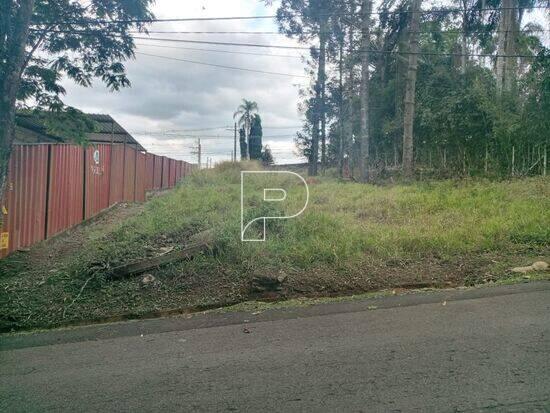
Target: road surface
[(479, 350)]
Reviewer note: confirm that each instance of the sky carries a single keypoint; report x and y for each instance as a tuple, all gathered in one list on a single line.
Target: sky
[(169, 100)]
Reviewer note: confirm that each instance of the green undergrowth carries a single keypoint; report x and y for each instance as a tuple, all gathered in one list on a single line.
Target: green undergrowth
[(351, 238)]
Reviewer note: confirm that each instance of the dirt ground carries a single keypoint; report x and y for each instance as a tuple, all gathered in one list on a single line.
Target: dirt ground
[(46, 254)]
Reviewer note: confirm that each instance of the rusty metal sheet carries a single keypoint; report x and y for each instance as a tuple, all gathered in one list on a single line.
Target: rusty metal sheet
[(157, 179), (165, 172), (130, 174), (97, 183), (65, 196), (172, 175), (149, 171), (25, 198), (179, 171), (140, 189), (116, 190)]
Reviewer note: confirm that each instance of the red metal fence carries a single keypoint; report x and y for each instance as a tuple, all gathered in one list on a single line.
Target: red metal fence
[(53, 187)]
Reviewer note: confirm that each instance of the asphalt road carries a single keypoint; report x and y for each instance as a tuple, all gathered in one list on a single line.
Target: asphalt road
[(477, 350)]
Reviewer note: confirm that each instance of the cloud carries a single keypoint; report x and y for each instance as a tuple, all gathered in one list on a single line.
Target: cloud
[(173, 95)]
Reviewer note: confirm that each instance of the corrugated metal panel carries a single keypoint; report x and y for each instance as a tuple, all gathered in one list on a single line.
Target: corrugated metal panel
[(172, 178), (98, 167), (81, 183), (149, 171), (140, 177), (130, 174), (179, 171), (116, 192), (25, 198), (165, 172), (65, 198), (157, 181)]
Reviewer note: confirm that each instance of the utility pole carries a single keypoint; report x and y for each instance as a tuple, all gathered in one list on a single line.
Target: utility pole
[(235, 144), (198, 151)]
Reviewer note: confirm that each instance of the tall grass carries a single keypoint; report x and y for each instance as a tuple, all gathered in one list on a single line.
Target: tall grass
[(345, 221)]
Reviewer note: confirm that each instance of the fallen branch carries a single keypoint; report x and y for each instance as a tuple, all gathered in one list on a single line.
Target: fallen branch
[(200, 242)]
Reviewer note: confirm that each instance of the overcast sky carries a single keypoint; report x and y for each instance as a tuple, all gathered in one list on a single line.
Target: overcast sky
[(167, 98)]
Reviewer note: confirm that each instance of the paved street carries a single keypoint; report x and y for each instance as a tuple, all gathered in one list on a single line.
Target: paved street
[(450, 351)]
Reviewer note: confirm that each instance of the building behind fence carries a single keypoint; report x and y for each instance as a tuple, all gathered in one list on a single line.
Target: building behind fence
[(53, 187)]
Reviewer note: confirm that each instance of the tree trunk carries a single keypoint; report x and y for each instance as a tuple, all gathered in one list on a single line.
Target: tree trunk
[(318, 113), (322, 77), (341, 108), (365, 45), (10, 78), (410, 91), (511, 47), (508, 27), (314, 156), (464, 41), (350, 91)]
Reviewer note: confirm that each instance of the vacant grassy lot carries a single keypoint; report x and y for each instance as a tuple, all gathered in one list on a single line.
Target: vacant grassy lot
[(352, 238)]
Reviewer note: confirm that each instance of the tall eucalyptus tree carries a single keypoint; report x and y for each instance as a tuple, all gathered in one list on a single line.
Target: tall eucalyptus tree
[(308, 20), (410, 90)]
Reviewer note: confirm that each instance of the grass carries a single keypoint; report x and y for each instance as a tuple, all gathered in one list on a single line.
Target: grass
[(352, 238)]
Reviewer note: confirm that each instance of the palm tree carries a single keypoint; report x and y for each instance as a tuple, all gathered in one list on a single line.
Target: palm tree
[(245, 112)]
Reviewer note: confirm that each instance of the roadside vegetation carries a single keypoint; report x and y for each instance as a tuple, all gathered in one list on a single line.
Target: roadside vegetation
[(353, 238)]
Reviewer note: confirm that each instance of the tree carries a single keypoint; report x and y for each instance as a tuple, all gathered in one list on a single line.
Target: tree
[(43, 41), (366, 9), (243, 145), (245, 113), (256, 133), (410, 90), (448, 99), (307, 20)]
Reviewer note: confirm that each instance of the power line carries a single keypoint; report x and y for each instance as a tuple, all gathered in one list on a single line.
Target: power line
[(315, 48), (220, 51), (395, 52), (313, 33), (183, 130), (170, 131), (222, 66), (94, 32), (208, 136), (207, 32), (191, 19)]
